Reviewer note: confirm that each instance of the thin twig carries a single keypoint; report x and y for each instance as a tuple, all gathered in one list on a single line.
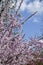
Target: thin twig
[(29, 17), (19, 6)]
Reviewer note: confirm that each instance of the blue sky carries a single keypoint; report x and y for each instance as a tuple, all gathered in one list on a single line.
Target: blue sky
[(33, 26)]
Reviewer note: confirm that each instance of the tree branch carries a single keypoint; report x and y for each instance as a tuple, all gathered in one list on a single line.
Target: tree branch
[(29, 17)]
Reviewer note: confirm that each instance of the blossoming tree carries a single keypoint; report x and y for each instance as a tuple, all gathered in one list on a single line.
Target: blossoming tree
[(13, 49)]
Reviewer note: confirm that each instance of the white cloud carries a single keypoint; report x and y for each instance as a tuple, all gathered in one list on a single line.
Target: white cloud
[(36, 5)]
